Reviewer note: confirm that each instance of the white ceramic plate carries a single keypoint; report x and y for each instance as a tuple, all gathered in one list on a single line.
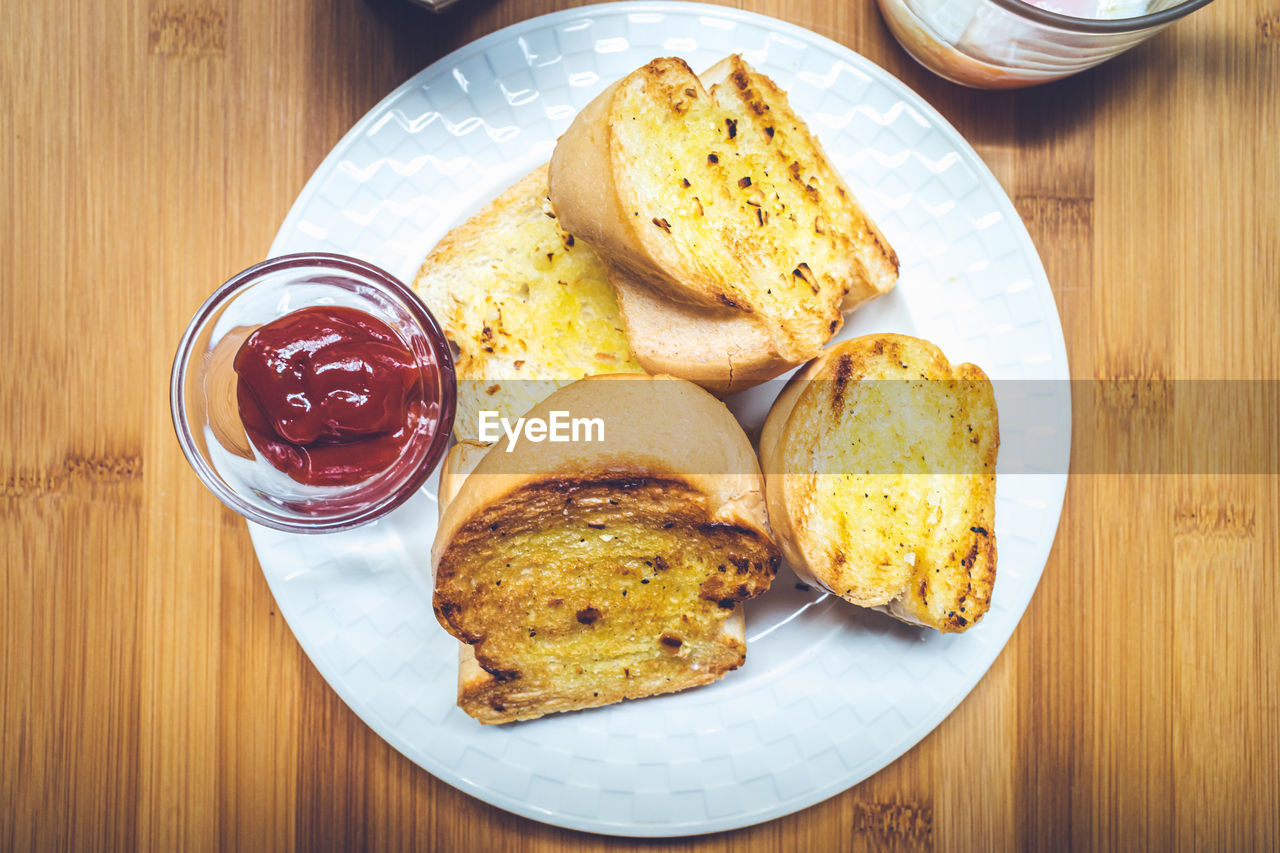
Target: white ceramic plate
[(829, 695)]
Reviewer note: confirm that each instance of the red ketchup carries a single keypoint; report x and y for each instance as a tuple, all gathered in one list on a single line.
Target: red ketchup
[(331, 396)]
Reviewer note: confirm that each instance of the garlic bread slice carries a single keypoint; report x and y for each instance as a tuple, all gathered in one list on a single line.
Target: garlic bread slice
[(714, 193), (582, 574), (880, 460)]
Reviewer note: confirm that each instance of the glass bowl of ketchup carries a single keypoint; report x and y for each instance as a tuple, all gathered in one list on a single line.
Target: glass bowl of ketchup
[(313, 393)]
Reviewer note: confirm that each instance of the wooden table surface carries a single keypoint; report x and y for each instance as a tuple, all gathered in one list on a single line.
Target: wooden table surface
[(152, 695)]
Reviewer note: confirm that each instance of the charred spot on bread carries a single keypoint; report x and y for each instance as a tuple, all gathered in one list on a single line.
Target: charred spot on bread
[(844, 370), (728, 301), (726, 528), (498, 672), (805, 274)]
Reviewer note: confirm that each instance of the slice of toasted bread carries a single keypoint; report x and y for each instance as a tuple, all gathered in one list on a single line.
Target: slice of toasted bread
[(583, 573), (529, 308), (720, 199), (880, 461)]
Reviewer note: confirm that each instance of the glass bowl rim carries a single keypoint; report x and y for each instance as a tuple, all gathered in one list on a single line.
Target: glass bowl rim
[(421, 315), (1099, 26)]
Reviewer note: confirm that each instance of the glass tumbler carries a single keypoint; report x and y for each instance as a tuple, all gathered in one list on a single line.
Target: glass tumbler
[(1007, 44)]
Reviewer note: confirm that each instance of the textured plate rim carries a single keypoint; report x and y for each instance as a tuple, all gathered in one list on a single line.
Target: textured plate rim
[(1054, 488)]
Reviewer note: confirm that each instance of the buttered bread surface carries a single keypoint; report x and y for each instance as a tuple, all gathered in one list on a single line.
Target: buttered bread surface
[(528, 307)]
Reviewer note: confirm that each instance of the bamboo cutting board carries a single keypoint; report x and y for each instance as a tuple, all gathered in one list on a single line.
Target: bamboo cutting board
[(152, 698)]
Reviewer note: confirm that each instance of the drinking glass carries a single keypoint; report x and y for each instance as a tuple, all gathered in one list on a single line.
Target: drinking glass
[(1006, 44)]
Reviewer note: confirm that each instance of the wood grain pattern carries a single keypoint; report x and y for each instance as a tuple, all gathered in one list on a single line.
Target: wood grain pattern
[(152, 697)]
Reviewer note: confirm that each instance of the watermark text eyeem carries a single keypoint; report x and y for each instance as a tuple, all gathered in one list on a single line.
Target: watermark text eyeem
[(558, 427)]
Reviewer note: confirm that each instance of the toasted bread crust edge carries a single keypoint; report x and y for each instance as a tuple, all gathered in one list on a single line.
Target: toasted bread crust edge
[(585, 194), (724, 353), (584, 191)]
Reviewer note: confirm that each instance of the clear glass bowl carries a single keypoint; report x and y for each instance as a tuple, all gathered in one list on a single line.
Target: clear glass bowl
[(203, 391), (1005, 44)]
